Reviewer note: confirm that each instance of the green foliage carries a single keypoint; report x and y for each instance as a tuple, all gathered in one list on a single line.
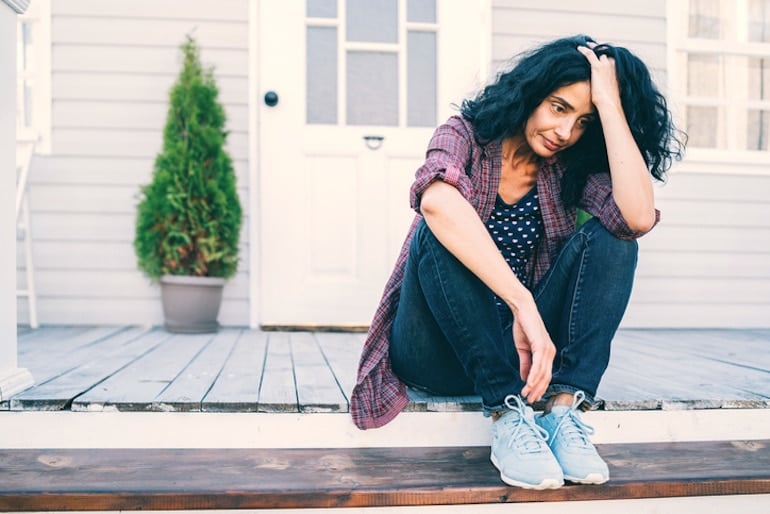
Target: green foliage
[(189, 216)]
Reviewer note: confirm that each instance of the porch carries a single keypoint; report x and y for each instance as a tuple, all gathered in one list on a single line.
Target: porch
[(253, 419), (146, 369)]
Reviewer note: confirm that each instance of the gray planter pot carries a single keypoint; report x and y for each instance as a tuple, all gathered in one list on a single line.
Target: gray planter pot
[(191, 304)]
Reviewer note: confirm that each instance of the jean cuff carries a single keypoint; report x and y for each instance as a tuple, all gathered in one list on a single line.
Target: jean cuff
[(590, 403), (489, 410)]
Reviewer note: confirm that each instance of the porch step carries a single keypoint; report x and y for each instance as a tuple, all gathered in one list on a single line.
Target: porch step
[(174, 479)]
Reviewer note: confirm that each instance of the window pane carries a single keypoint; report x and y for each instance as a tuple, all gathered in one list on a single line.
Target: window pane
[(421, 79), (759, 20), (373, 21), (704, 73), (704, 19), (702, 127), (758, 130), (423, 11), (759, 79), (321, 75), (322, 8), (372, 83)]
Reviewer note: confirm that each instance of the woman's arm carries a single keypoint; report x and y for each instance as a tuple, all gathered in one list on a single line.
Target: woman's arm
[(458, 227), (631, 183)]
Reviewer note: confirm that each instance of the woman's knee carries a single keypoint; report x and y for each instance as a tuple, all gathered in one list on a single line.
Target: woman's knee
[(602, 241)]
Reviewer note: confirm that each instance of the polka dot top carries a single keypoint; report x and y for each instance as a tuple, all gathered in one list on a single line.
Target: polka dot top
[(516, 230)]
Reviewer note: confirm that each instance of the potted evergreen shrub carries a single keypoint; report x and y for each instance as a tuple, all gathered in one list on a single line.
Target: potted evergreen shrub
[(189, 216)]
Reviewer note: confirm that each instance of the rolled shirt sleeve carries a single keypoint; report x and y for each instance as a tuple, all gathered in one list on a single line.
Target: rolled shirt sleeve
[(446, 159), (598, 201)]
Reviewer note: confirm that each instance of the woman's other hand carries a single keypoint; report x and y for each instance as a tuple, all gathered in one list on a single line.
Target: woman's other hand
[(536, 351)]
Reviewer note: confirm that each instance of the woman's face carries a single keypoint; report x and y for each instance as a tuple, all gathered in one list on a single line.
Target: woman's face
[(559, 121)]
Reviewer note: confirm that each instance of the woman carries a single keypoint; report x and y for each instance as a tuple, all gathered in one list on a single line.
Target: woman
[(496, 292)]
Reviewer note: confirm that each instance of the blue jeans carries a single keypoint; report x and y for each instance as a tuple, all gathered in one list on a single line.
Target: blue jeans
[(449, 339)]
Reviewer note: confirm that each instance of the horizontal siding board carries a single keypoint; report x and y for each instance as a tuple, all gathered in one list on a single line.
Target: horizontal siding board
[(105, 171), (95, 199), (53, 311), (652, 8), (115, 284), (612, 27), (134, 32), (725, 315), (144, 60), (94, 86), (707, 187), (712, 213), (703, 265), (85, 227), (697, 291), (101, 256), (233, 10), (126, 143), (710, 239), (132, 115)]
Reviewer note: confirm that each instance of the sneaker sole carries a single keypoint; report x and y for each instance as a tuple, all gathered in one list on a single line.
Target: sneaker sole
[(547, 483), (592, 479)]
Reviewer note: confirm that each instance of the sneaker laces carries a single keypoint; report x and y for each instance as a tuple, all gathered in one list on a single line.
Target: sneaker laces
[(526, 434), (574, 429)]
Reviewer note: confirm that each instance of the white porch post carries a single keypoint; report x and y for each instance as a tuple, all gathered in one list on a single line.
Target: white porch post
[(12, 378)]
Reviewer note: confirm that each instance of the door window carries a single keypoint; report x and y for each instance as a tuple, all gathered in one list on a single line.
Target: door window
[(371, 62)]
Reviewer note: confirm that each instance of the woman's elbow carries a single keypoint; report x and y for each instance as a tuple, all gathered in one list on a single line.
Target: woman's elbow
[(432, 199), (642, 223)]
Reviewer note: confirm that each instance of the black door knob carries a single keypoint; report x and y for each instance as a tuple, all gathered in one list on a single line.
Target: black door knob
[(271, 98)]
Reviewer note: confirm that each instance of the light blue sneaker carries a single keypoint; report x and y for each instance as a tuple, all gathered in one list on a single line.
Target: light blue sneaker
[(520, 451), (568, 440)]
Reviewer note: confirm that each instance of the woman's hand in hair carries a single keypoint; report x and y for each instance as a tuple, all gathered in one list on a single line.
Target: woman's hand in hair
[(605, 90)]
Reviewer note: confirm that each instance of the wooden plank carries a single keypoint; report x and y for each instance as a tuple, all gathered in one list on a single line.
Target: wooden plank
[(78, 85), (169, 32), (142, 60), (58, 355), (226, 10), (136, 386), (188, 389), (127, 143), (153, 479), (691, 382), (317, 387), (113, 114), (236, 389), (234, 312), (57, 393), (278, 389), (342, 352)]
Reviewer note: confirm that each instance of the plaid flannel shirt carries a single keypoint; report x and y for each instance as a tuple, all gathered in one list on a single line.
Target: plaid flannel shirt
[(455, 157)]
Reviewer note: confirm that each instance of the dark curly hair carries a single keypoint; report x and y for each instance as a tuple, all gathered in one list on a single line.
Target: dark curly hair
[(502, 108)]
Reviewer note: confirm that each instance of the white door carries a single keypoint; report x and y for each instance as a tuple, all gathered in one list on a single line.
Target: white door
[(350, 92)]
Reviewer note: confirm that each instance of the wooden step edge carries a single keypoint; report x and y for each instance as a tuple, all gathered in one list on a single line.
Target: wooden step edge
[(107, 480), (336, 430), (67, 502)]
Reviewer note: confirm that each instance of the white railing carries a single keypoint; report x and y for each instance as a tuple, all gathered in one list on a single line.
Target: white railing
[(25, 151)]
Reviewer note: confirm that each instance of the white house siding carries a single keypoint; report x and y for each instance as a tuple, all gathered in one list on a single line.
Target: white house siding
[(708, 263), (112, 66)]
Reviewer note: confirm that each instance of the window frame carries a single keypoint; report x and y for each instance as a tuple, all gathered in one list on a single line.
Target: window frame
[(734, 158), (38, 15)]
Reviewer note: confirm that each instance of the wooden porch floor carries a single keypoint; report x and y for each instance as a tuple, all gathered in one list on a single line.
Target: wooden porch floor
[(127, 368)]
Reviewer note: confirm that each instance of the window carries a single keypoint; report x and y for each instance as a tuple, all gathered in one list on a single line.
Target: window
[(720, 75), (33, 88)]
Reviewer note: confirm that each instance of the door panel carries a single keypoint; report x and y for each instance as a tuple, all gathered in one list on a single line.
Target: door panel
[(361, 85)]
